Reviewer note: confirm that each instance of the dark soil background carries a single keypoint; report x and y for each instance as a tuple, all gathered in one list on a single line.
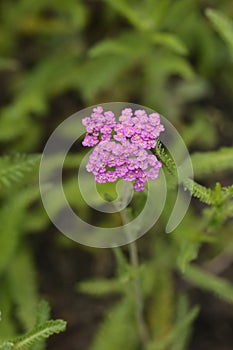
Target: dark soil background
[(61, 269)]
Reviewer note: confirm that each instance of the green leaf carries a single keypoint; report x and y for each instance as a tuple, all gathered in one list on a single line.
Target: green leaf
[(12, 217), (14, 168), (228, 190), (122, 263), (43, 312), (131, 13), (224, 26), (118, 330), (7, 346), (177, 331), (100, 73), (165, 158), (208, 163), (160, 66), (34, 89), (24, 295), (129, 43), (7, 327), (182, 341), (100, 287), (188, 252), (40, 332), (188, 238), (201, 192), (193, 132), (43, 315), (137, 44), (170, 41), (202, 279)]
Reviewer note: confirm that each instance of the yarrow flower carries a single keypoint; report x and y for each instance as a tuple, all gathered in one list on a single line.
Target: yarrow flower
[(121, 146)]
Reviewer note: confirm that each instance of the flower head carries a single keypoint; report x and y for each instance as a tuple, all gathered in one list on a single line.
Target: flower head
[(121, 147)]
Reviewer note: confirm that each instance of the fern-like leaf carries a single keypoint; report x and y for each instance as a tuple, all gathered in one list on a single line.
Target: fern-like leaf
[(43, 312), (7, 346), (170, 41), (14, 168), (165, 158), (7, 327), (208, 163), (118, 330), (224, 26), (24, 295), (129, 12), (202, 279), (201, 192), (100, 287), (12, 217), (43, 315), (188, 252), (178, 329), (215, 197), (38, 333), (135, 44), (228, 191), (182, 341), (124, 44)]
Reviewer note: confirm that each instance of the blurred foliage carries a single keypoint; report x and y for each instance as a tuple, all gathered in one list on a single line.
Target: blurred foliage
[(35, 338), (58, 57)]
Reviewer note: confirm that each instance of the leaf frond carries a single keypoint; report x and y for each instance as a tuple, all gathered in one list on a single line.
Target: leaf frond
[(14, 168), (38, 333), (204, 280)]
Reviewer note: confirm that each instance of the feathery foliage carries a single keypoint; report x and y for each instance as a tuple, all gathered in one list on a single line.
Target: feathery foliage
[(43, 315), (177, 331), (14, 168), (22, 269), (204, 280), (100, 287), (205, 164), (206, 195), (223, 24), (44, 330), (165, 158), (6, 346), (118, 328), (12, 216), (182, 311), (36, 335)]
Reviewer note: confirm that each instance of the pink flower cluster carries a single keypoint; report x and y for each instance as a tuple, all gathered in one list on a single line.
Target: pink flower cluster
[(121, 146)]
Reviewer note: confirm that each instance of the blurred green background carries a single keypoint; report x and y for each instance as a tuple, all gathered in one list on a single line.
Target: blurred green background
[(175, 57)]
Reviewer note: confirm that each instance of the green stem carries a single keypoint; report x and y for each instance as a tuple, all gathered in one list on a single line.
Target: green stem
[(142, 327), (139, 302)]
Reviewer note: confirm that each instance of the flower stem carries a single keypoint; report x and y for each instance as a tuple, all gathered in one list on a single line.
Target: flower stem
[(134, 260), (142, 327)]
